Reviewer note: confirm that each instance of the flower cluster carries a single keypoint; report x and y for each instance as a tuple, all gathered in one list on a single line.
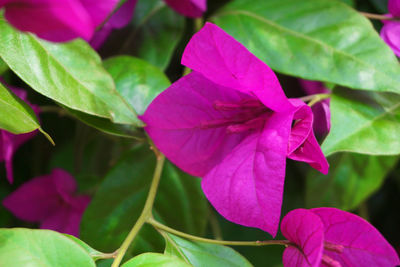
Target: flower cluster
[(230, 122)]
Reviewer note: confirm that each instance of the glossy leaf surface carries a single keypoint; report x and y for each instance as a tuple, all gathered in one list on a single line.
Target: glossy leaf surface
[(289, 36)]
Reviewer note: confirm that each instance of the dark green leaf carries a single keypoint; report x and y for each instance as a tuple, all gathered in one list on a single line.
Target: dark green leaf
[(3, 66), (38, 248), (17, 116), (116, 206), (158, 30), (203, 254), (105, 125), (364, 122), (322, 40), (136, 80), (95, 254), (351, 180), (155, 259), (70, 73)]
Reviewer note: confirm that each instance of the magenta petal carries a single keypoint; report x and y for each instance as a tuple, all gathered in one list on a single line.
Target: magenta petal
[(322, 117), (34, 200), (226, 62), (247, 186), (394, 7), (189, 8), (306, 230), (118, 20), (64, 183), (301, 129), (123, 16), (363, 245), (174, 121), (390, 33), (65, 220), (310, 152), (99, 10), (52, 20)]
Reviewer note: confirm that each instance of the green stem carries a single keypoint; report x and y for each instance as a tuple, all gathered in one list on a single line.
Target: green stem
[(146, 213), (379, 16), (165, 228), (315, 98)]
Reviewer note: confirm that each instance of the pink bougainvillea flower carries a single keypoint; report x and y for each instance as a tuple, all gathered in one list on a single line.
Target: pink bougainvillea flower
[(230, 122), (321, 110), (118, 20), (51, 201), (390, 31), (56, 20), (9, 143), (332, 237), (188, 8)]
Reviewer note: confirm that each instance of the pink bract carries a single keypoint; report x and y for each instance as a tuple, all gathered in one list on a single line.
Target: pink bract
[(189, 8), (230, 122), (332, 237), (56, 20), (9, 142), (321, 110), (390, 32), (51, 201)]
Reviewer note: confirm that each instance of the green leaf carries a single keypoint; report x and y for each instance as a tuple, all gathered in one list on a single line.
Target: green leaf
[(203, 254), (119, 201), (157, 32), (105, 125), (69, 73), (95, 254), (323, 40), (18, 117), (364, 122), (351, 180), (155, 259), (137, 81), (3, 66), (23, 247)]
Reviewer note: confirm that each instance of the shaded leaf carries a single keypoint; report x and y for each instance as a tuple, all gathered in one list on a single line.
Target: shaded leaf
[(180, 203), (289, 35), (158, 30), (136, 80), (69, 73), (19, 247), (364, 122), (18, 117), (351, 180), (155, 259), (203, 254)]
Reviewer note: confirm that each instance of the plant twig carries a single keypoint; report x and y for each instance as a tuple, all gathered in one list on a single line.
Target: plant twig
[(165, 228), (379, 16), (145, 215)]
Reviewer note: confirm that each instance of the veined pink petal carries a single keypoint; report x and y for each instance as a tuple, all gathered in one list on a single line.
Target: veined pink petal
[(394, 7), (226, 62), (306, 230), (247, 186), (56, 21), (118, 20), (362, 244), (188, 8), (99, 10), (390, 33), (174, 123), (67, 218), (35, 200)]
